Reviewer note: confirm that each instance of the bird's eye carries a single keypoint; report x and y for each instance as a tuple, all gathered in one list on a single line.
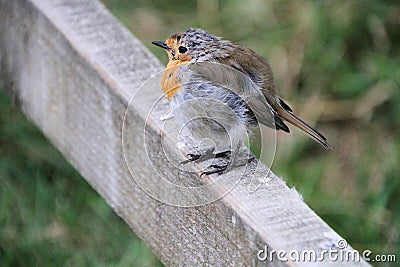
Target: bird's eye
[(182, 49)]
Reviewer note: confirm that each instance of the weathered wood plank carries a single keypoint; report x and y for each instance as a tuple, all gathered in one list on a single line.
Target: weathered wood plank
[(72, 68)]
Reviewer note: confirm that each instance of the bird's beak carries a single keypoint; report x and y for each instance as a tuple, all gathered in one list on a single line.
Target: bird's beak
[(161, 44)]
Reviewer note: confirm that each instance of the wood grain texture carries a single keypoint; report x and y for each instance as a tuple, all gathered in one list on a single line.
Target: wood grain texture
[(72, 69)]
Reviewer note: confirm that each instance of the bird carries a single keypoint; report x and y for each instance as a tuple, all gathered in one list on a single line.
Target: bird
[(222, 90)]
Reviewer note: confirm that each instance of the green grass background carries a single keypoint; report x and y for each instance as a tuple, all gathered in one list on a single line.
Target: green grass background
[(336, 62)]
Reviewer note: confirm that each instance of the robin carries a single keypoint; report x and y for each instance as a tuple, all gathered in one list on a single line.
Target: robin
[(221, 90)]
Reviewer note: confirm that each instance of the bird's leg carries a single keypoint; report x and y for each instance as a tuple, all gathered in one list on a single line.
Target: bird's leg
[(251, 158), (192, 157), (227, 160), (225, 166), (209, 154), (223, 154), (215, 169), (195, 157)]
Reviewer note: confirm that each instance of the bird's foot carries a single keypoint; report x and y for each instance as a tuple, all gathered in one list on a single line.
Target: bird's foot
[(251, 158), (224, 154), (192, 158), (209, 154), (214, 168)]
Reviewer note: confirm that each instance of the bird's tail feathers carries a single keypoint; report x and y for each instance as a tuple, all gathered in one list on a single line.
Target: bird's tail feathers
[(299, 123)]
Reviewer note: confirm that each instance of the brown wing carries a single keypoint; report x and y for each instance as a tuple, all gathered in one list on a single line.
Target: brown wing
[(259, 70), (256, 67), (240, 84)]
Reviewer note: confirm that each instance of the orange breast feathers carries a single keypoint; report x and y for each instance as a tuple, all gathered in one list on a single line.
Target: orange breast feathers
[(171, 81)]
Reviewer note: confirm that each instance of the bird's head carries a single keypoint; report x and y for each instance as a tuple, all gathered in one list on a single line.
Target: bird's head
[(195, 45)]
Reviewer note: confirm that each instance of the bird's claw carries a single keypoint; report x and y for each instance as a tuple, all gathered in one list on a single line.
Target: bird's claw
[(216, 169), (192, 157), (205, 156)]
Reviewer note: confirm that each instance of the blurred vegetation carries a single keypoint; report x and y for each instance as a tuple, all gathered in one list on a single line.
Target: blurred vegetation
[(336, 62)]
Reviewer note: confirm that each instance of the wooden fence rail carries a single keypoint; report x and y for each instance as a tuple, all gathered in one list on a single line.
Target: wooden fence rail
[(72, 68)]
